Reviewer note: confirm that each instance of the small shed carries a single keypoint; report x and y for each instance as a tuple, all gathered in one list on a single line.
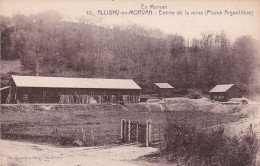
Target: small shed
[(163, 89), (225, 92)]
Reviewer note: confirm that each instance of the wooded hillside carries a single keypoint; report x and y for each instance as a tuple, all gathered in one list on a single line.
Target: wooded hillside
[(46, 44)]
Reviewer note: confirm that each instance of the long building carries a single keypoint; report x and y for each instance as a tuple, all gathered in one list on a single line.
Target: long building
[(65, 90)]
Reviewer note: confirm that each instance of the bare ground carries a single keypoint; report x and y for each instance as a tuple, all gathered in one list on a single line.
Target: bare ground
[(28, 154)]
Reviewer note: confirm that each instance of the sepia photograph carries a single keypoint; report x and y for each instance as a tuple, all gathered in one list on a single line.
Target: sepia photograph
[(130, 83)]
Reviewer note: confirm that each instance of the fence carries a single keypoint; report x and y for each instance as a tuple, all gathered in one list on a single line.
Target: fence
[(134, 131), (92, 135)]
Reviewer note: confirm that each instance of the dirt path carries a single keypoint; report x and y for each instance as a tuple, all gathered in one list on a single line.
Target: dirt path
[(28, 154)]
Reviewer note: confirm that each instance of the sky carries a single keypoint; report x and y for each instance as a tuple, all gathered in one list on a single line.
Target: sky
[(189, 26)]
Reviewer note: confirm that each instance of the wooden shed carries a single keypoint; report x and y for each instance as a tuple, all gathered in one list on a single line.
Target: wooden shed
[(163, 89), (65, 90), (225, 92)]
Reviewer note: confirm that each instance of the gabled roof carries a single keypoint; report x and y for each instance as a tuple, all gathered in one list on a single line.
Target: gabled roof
[(221, 88), (68, 82), (164, 85)]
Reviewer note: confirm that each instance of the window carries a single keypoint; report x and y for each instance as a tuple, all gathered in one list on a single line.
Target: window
[(25, 97)]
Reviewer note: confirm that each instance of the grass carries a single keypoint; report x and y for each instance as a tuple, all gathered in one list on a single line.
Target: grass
[(191, 146), (62, 124)]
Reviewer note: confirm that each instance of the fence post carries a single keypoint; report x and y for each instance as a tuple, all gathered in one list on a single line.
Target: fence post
[(83, 133), (148, 132), (159, 134), (122, 129), (137, 131), (129, 130), (92, 135), (153, 135), (56, 132)]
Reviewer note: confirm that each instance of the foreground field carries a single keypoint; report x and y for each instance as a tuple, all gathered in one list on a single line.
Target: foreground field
[(63, 124)]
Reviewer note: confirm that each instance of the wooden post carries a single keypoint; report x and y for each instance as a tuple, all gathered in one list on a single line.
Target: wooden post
[(10, 94), (83, 133), (137, 131), (153, 136), (92, 135), (129, 130), (148, 132), (122, 129), (159, 134), (56, 132)]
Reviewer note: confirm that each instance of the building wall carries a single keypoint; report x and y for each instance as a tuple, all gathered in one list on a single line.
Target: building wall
[(166, 92), (72, 95), (234, 92), (218, 96), (163, 92)]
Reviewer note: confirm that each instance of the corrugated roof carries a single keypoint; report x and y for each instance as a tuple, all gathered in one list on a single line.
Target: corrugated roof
[(67, 82), (164, 85), (221, 88)]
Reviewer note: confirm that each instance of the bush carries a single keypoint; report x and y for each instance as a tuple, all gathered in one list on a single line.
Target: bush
[(195, 147)]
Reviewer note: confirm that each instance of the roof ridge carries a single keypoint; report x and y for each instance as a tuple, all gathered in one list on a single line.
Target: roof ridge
[(221, 87), (73, 77), (73, 82)]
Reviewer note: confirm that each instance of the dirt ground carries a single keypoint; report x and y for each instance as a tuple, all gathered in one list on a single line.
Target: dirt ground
[(28, 154)]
